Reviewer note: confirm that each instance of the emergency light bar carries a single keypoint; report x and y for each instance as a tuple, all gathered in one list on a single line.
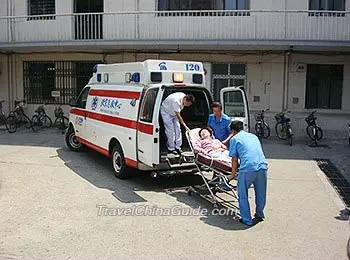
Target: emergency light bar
[(132, 78)]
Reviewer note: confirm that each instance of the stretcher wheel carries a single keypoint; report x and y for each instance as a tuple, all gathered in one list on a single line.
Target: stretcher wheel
[(189, 191)]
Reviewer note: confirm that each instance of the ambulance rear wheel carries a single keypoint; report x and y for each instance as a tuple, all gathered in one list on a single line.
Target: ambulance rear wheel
[(121, 170), (72, 141)]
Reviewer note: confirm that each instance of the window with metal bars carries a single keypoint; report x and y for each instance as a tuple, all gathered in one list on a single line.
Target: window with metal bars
[(67, 77), (324, 86), (227, 75), (41, 7)]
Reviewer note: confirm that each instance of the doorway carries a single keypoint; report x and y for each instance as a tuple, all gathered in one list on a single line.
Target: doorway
[(88, 21)]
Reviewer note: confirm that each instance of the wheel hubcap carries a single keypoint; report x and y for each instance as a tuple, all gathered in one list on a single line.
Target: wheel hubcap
[(73, 141), (117, 162)]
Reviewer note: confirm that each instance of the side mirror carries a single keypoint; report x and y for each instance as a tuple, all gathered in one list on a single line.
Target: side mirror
[(72, 102)]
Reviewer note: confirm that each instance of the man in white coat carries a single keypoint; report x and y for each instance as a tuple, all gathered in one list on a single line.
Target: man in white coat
[(170, 111)]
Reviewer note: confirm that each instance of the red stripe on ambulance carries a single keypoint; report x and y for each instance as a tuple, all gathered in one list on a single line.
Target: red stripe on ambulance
[(115, 94), (147, 129), (129, 162), (112, 120), (77, 111), (93, 146)]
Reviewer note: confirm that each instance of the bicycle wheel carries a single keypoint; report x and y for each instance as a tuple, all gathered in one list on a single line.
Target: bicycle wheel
[(314, 132), (319, 133), (290, 135), (46, 121), (266, 131), (36, 123), (11, 124), (281, 131), (259, 131), (26, 121), (61, 122)]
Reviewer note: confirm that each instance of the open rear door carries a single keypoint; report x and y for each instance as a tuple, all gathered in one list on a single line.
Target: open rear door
[(235, 104), (148, 127)]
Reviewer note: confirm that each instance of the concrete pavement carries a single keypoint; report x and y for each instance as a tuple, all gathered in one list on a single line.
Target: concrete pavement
[(49, 198)]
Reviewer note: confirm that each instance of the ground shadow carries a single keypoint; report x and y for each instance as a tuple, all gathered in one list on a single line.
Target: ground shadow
[(97, 169), (222, 217)]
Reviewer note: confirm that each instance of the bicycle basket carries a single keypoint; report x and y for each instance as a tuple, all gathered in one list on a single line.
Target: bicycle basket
[(279, 116), (257, 116)]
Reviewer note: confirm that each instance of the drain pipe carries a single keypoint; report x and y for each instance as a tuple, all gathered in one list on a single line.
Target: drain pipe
[(9, 81), (285, 81)]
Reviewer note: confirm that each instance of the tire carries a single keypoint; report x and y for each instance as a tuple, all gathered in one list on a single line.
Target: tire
[(26, 122), (61, 122), (281, 134), (36, 124), (266, 131), (259, 131), (290, 135), (72, 142), (11, 124), (121, 170), (47, 122), (318, 132)]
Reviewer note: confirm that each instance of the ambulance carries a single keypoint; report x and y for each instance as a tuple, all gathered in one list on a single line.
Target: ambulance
[(118, 113)]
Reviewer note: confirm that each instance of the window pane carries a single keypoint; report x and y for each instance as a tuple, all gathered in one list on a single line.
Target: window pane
[(237, 69), (237, 82), (148, 108), (324, 86), (314, 4), (218, 85), (233, 104), (339, 5), (242, 5), (201, 5), (179, 5), (220, 69), (162, 5), (230, 5)]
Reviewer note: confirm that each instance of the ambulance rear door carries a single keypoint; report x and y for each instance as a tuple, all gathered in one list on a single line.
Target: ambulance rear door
[(235, 104), (148, 147)]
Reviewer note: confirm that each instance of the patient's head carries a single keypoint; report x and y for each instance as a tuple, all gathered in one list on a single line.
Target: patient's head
[(206, 133)]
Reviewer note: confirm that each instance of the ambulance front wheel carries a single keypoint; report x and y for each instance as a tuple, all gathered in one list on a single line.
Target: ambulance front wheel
[(72, 142), (121, 170)]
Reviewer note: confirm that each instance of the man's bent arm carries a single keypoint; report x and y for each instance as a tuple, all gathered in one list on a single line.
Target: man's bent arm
[(180, 119), (234, 163)]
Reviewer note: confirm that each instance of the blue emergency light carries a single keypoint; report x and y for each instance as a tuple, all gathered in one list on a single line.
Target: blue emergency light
[(99, 77), (135, 77)]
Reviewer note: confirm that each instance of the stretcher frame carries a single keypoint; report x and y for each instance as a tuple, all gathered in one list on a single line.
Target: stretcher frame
[(211, 187)]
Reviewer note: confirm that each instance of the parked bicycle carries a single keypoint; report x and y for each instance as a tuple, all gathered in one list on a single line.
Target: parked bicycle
[(313, 130), (262, 129), (61, 121), (40, 119), (9, 122), (283, 128), (21, 119)]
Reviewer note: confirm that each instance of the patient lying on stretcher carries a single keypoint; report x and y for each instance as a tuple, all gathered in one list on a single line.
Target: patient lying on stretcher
[(210, 146)]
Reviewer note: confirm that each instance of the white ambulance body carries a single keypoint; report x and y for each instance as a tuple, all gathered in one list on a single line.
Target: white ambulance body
[(118, 113)]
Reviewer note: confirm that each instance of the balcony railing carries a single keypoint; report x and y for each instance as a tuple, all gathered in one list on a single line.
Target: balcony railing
[(178, 26)]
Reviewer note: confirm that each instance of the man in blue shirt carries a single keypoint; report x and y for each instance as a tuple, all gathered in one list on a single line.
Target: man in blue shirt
[(252, 170), (220, 123)]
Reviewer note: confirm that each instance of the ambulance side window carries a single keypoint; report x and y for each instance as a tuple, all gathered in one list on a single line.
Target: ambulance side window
[(81, 101), (148, 105)]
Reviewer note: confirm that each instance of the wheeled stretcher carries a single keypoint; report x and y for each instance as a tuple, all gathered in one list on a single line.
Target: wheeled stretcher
[(217, 184)]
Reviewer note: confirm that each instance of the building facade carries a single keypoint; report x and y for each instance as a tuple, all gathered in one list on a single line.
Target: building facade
[(291, 54)]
